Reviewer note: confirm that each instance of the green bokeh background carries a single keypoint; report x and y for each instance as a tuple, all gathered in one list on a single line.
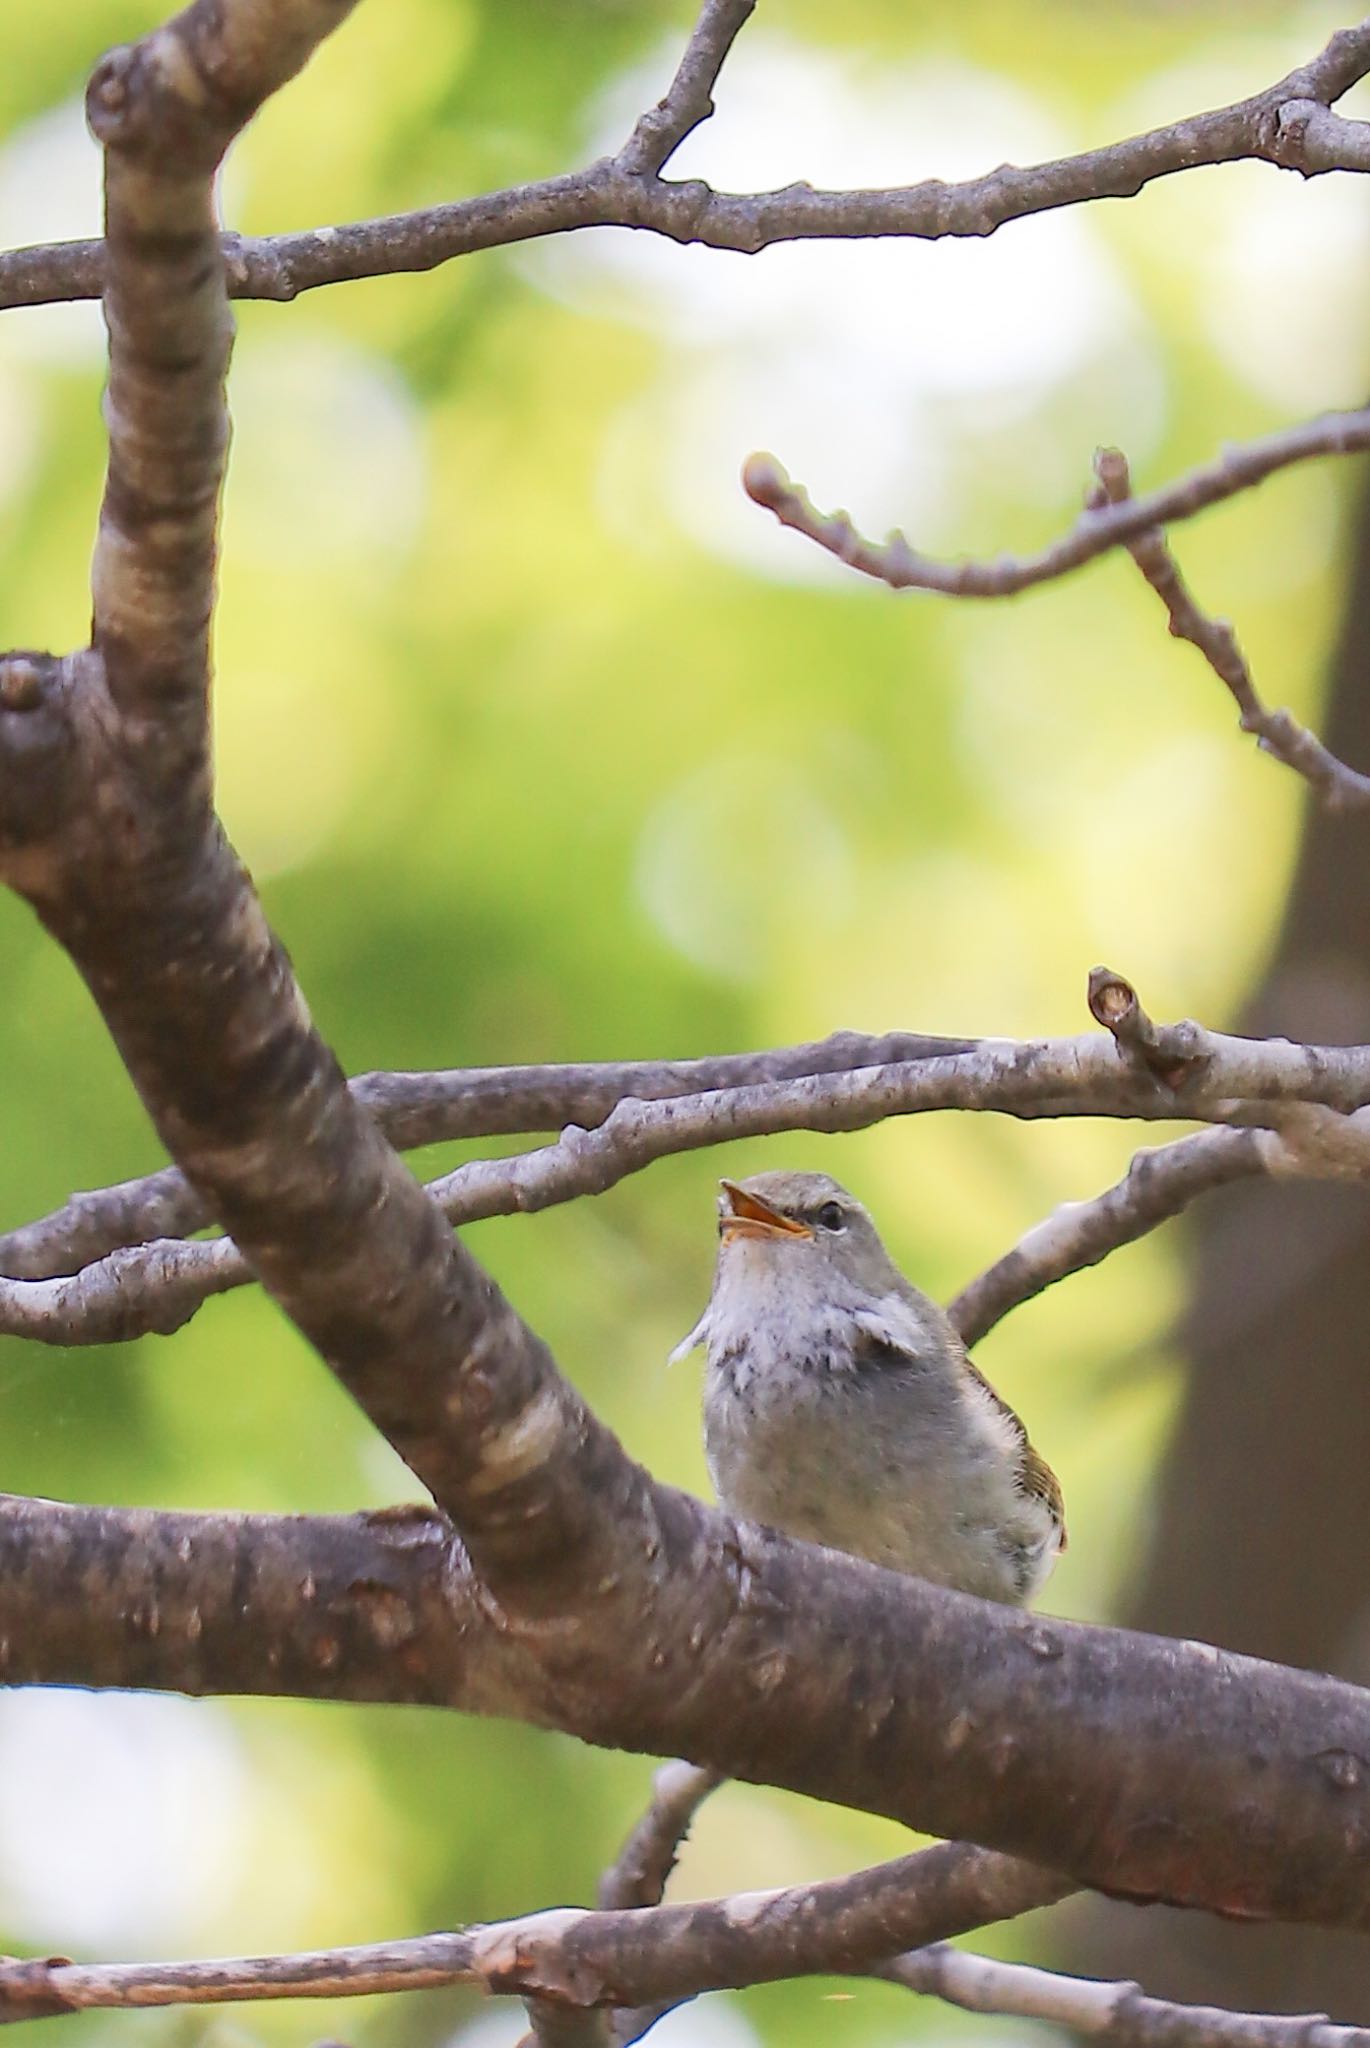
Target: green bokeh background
[(543, 746)]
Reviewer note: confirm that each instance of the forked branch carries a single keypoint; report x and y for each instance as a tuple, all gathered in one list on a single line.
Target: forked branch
[(1289, 124)]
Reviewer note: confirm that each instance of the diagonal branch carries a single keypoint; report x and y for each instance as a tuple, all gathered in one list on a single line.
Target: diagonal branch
[(1288, 124), (1279, 732), (658, 134), (1158, 1184), (1109, 2012)]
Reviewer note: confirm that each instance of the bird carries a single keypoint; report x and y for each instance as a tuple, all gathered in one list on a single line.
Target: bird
[(841, 1406)]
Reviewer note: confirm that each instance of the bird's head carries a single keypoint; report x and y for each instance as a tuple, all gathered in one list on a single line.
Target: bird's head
[(808, 1219)]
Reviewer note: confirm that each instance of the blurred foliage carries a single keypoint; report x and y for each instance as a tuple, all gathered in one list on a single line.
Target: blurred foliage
[(543, 745)]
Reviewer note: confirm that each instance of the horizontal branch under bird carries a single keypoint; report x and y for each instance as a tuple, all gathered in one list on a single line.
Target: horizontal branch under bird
[(1139, 1071)]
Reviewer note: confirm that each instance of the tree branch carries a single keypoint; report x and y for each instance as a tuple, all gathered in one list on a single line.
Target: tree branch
[(1158, 1184), (1279, 733), (639, 1873), (165, 110), (1289, 124), (378, 1607), (1309, 1092), (587, 1959), (1097, 530), (1114, 2012), (658, 134)]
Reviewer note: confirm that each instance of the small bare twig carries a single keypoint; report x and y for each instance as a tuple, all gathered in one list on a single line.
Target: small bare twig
[(639, 1873), (1117, 2012), (1160, 1183), (659, 133), (1279, 733), (1095, 532), (1171, 1055)]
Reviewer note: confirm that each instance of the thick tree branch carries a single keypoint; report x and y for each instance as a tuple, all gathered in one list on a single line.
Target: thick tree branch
[(1288, 124), (165, 109), (586, 1959), (1210, 1779), (378, 1607), (128, 867)]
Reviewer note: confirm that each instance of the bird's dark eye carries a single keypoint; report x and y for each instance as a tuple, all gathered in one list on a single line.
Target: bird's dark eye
[(832, 1216)]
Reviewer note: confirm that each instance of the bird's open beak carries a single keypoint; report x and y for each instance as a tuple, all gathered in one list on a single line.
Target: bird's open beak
[(748, 1216)]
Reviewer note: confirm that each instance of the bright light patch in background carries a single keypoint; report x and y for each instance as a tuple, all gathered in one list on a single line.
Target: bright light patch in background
[(734, 856), (870, 368), (1285, 292), (328, 463), (1275, 262), (291, 747), (121, 1818), (50, 192)]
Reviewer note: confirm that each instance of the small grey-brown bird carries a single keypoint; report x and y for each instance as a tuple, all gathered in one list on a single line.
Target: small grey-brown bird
[(840, 1405)]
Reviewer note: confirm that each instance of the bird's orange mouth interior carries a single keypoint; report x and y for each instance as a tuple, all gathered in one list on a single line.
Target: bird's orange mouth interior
[(748, 1216)]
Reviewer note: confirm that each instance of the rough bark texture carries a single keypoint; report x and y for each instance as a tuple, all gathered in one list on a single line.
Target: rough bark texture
[(375, 1607)]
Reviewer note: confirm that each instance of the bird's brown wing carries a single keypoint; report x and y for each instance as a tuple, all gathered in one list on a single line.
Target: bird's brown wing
[(1035, 1476)]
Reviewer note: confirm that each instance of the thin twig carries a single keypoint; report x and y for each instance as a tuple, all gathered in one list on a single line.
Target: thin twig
[(659, 133), (1159, 1183), (1279, 733), (639, 1874), (1288, 124), (1094, 533), (1117, 2012)]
